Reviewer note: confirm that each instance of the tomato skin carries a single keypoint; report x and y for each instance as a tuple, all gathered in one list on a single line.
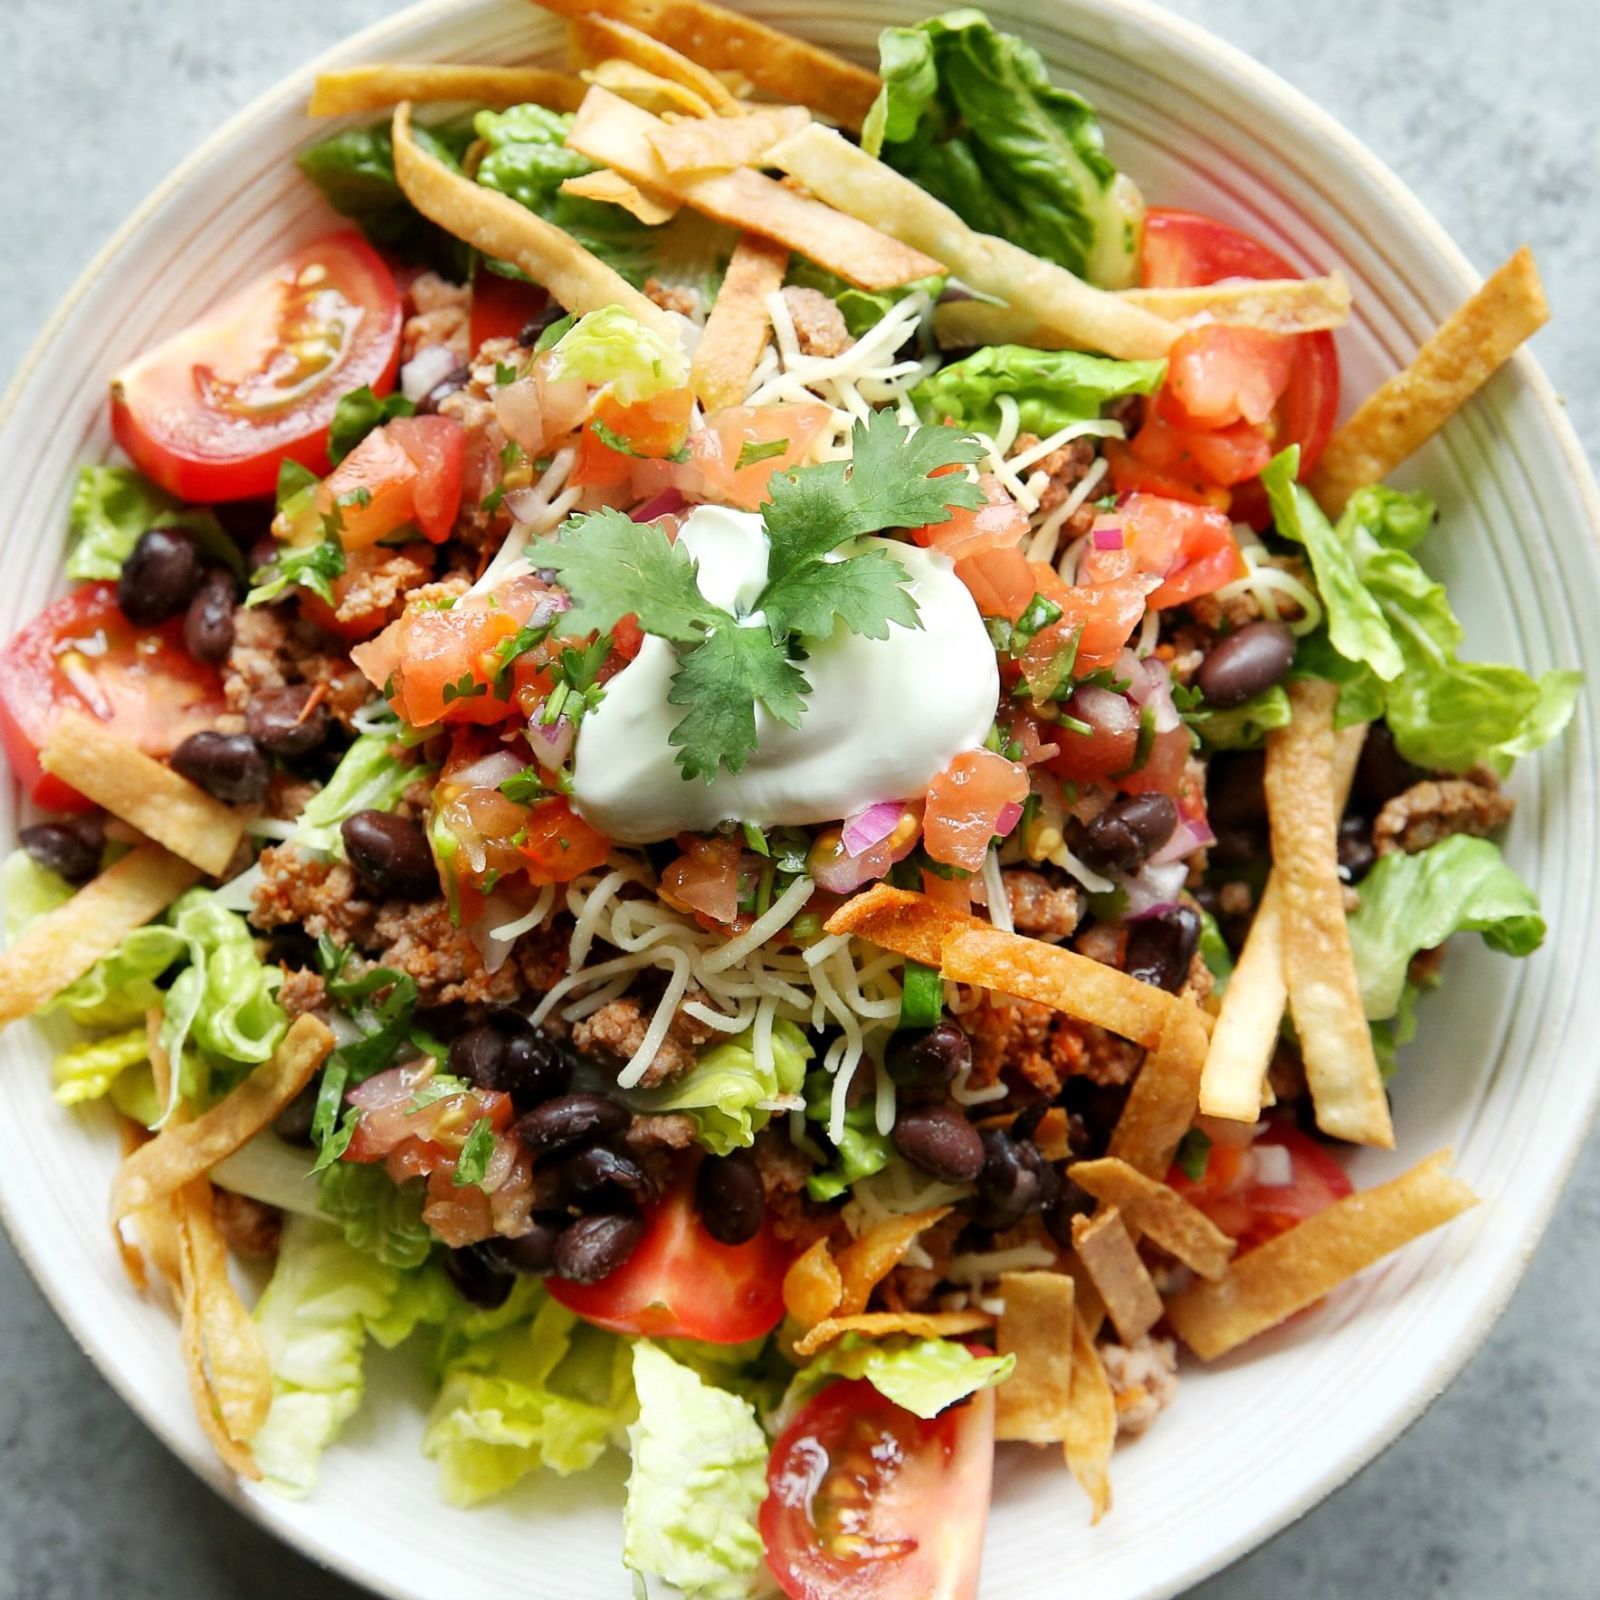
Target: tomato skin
[(502, 307), (560, 845), (682, 1284), (139, 681), (437, 447), (408, 471), (867, 1501), (188, 413)]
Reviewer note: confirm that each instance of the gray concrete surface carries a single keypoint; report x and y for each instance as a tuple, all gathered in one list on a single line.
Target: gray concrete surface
[(1489, 112)]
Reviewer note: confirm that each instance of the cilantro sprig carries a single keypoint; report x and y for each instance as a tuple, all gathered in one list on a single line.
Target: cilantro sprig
[(613, 567)]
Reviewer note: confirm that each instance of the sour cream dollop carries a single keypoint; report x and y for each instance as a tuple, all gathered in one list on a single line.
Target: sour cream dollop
[(884, 716)]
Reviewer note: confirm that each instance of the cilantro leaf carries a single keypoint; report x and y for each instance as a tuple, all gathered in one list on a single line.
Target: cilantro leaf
[(720, 682), (312, 566), (358, 412), (750, 452), (613, 567), (866, 592), (472, 1165)]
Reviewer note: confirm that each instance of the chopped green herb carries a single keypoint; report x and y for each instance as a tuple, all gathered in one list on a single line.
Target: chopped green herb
[(756, 839), (525, 787), (312, 567), (505, 374), (1194, 1155), (1036, 616), (472, 1165), (921, 996), (466, 687), (750, 452), (357, 414)]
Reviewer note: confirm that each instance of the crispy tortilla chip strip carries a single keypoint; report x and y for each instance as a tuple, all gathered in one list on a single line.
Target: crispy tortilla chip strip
[(1272, 1282), (1274, 305), (376, 88), (1161, 1105), (144, 793), (1233, 1084), (719, 144), (500, 227), (609, 130), (1401, 415), (1319, 970), (866, 1263), (736, 331), (63, 944), (615, 190), (1092, 1430), (1035, 1403), (812, 1287), (1161, 1214), (881, 1324), (1088, 318), (1111, 1259), (725, 41), (899, 920), (184, 1151), (648, 90), (596, 38)]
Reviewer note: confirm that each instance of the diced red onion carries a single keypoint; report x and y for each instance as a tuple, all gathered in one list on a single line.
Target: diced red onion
[(1187, 837), (552, 743), (496, 910), (659, 505), (1153, 889), (1104, 708), (1109, 538), (426, 370), (1274, 1166), (1010, 816), (871, 826), (489, 771), (849, 873), (1150, 684)]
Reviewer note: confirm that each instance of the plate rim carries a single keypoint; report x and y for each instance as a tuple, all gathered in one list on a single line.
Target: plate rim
[(1349, 151)]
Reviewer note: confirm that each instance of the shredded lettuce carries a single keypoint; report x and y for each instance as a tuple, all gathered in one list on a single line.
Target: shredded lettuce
[(1415, 902), (925, 1376), (699, 1476), (861, 309), (609, 346), (970, 114), (112, 506), (725, 1091), (378, 1216), (1051, 387), (526, 1385), (87, 1071), (861, 1149), (369, 777), (1243, 727), (324, 1301)]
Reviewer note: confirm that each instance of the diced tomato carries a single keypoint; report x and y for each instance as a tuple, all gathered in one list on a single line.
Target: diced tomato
[(437, 447), (1163, 767), (653, 431), (1175, 473), (475, 827), (1231, 1191), (358, 567), (502, 307), (211, 413), (998, 524), (560, 845), (1001, 581), (953, 892), (1218, 374), (1110, 744), (706, 878), (682, 1284), (867, 1501), (81, 654), (1190, 548), (413, 1140), (964, 806), (737, 430), (1095, 623), (407, 471)]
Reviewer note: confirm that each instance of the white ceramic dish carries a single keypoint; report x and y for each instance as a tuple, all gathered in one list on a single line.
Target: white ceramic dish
[(1504, 1071)]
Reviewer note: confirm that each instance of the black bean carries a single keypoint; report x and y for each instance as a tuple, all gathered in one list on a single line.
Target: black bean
[(1161, 948), (208, 623), (547, 316), (506, 1052), (730, 1197), (572, 1119), (159, 577), (1008, 1185), (1128, 832), (1235, 794), (227, 765), (391, 854), (601, 1171), (293, 1123), (922, 1058), (1071, 1202), (278, 721), (593, 1248), (1245, 664), (480, 1280), (71, 848), (532, 1252), (455, 379), (940, 1140), (1382, 772), (1092, 1112), (1356, 854)]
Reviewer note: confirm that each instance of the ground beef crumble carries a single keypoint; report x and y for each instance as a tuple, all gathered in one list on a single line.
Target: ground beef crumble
[(439, 314), (819, 324), (618, 1028), (1029, 1046), (674, 297), (271, 649), (1438, 807), (1040, 907), (250, 1228), (1144, 1381)]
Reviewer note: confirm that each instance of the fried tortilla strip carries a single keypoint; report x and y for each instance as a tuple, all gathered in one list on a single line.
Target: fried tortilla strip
[(1161, 1105), (881, 1324), (618, 135), (1111, 1259), (1246, 1034), (736, 331), (1274, 305), (144, 793), (720, 144), (1080, 315), (897, 919), (182, 1152), (615, 190), (812, 1287), (500, 227), (595, 39), (648, 90), (376, 88), (864, 1264), (1319, 970), (62, 945), (1161, 1214), (1035, 1403), (1092, 1430), (725, 41), (1401, 415), (1272, 1282)]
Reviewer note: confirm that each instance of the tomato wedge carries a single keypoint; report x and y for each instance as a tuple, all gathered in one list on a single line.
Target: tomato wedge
[(867, 1501), (81, 654), (213, 412), (408, 471), (682, 1284)]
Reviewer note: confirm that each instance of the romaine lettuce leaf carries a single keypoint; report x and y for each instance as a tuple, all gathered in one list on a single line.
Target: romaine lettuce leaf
[(1051, 387), (699, 1476), (87, 1071), (610, 347), (112, 506), (1244, 727), (861, 1150), (1415, 902), (369, 777), (379, 1216), (970, 114), (925, 1376), (861, 308)]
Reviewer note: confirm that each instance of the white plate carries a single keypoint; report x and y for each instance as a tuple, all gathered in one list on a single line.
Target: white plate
[(1504, 1071)]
